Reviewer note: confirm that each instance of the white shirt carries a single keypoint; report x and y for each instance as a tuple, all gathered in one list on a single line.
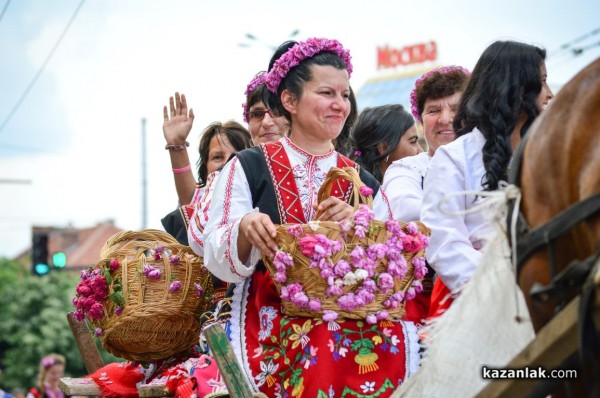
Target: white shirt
[(199, 219), (235, 201), (455, 238), (403, 185)]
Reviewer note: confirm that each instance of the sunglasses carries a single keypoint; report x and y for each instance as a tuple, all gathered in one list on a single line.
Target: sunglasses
[(258, 114)]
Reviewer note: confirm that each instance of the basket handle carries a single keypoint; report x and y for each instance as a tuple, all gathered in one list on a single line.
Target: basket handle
[(349, 174), (144, 234)]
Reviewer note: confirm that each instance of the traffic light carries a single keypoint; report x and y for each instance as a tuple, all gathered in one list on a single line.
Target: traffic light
[(59, 260), (39, 254)]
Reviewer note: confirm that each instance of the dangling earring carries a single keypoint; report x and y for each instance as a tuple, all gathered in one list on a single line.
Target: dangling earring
[(387, 158)]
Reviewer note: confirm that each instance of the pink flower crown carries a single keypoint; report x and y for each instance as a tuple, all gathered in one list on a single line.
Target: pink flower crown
[(47, 362), (414, 108), (257, 81), (301, 51)]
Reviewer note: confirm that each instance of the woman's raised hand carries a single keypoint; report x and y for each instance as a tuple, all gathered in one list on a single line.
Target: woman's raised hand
[(177, 121)]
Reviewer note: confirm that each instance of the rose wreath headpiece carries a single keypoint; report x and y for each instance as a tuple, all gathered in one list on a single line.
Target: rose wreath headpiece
[(255, 82), (47, 362), (301, 51), (414, 106)]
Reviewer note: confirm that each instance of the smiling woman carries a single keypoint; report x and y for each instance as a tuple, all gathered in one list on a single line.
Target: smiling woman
[(277, 183), (263, 124), (434, 102)]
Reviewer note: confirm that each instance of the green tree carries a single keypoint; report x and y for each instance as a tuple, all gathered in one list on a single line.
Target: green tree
[(33, 323)]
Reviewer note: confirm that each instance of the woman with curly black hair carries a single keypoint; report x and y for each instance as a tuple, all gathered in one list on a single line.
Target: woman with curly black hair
[(504, 95)]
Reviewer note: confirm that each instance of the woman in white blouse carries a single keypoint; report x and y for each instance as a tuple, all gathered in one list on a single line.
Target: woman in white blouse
[(434, 102), (505, 93)]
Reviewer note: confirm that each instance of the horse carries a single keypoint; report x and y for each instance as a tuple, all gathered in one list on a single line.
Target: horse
[(558, 171)]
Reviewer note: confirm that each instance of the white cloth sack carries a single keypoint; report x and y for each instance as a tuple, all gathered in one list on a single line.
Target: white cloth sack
[(480, 328)]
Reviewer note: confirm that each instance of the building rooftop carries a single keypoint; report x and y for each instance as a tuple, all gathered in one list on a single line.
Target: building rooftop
[(80, 245)]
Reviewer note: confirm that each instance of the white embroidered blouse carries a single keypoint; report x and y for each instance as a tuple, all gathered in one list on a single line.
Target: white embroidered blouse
[(199, 219), (235, 201), (456, 239)]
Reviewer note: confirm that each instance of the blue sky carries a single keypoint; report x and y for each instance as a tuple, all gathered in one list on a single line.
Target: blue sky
[(76, 135)]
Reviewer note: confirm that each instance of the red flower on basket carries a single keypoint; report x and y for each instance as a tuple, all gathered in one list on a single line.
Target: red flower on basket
[(102, 282), (355, 279), (91, 292)]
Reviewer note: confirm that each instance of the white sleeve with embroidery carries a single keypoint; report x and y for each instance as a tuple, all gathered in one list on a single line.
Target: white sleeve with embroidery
[(199, 219), (221, 232), (381, 206), (450, 251), (402, 183)]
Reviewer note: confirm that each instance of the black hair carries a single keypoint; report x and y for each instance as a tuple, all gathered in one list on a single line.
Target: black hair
[(505, 83), (238, 136), (343, 143), (380, 124)]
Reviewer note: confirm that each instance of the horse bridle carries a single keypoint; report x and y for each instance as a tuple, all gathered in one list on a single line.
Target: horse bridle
[(575, 278)]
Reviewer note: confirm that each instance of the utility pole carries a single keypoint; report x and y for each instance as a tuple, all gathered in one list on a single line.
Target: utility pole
[(144, 178)]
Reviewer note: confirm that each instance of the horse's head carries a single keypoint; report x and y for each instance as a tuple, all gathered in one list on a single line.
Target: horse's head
[(561, 168)]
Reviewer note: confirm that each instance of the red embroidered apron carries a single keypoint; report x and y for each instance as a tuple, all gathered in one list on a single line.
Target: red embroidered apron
[(303, 357)]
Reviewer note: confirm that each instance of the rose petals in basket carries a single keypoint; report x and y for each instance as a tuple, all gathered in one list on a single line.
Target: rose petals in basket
[(359, 269), (334, 271)]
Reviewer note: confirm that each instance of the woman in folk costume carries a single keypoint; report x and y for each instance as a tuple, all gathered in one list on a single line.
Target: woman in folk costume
[(277, 183)]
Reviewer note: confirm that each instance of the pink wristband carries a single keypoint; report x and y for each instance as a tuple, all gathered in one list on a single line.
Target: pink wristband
[(182, 170)]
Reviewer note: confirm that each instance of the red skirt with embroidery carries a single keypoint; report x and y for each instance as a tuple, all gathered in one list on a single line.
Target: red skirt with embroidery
[(303, 357)]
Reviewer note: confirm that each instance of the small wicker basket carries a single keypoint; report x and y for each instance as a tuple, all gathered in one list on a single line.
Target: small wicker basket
[(155, 320), (314, 285)]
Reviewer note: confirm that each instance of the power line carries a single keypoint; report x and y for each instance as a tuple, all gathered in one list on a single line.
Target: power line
[(4, 9), (568, 45), (39, 72), (580, 50)]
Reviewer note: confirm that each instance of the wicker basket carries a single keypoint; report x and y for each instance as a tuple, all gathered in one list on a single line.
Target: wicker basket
[(156, 320), (314, 285)]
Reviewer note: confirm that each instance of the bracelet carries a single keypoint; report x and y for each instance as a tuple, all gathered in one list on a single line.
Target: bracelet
[(173, 147), (182, 169)]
